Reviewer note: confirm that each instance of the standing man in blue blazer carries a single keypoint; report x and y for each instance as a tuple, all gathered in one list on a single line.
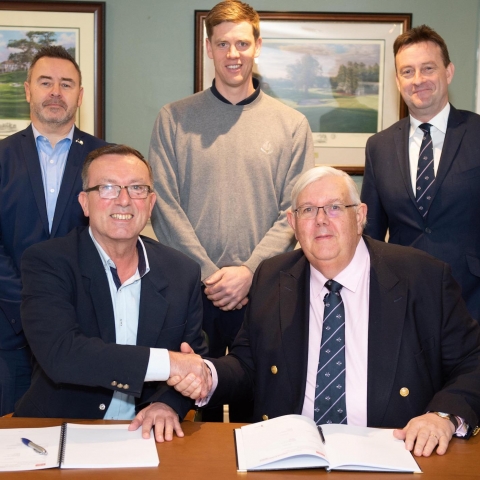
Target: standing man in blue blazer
[(40, 180), (432, 204)]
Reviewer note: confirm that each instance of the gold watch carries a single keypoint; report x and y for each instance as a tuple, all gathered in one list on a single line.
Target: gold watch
[(447, 416)]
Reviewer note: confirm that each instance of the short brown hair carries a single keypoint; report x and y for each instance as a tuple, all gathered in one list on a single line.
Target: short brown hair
[(421, 34), (53, 51), (232, 11), (124, 150)]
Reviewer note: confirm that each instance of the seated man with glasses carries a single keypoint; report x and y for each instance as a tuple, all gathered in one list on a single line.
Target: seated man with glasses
[(353, 330), (105, 311)]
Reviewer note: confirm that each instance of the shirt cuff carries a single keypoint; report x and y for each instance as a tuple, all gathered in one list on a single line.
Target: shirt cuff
[(158, 365), (462, 428), (202, 402)]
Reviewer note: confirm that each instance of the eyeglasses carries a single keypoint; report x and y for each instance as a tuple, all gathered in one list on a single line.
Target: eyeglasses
[(331, 211), (113, 191)]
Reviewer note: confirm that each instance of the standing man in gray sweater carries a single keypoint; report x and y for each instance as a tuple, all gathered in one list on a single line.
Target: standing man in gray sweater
[(225, 161)]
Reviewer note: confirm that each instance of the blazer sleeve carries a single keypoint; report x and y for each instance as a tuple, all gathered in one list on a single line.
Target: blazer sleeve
[(460, 357), (377, 220)]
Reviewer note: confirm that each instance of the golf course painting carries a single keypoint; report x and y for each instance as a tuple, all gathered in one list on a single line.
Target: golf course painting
[(18, 46), (336, 84)]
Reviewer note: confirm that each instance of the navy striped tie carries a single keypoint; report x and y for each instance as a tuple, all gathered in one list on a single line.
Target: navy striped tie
[(330, 405), (425, 172)]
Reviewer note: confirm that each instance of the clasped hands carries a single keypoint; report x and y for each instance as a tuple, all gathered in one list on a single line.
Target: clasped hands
[(190, 376)]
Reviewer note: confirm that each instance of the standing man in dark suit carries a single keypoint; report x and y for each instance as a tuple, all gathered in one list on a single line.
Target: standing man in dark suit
[(429, 201), (391, 346), (39, 183), (102, 306)]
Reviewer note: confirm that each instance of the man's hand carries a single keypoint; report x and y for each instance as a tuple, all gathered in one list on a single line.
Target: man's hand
[(422, 434), (163, 417), (228, 287), (189, 373)]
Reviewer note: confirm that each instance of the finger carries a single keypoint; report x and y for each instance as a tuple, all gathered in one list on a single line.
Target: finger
[(159, 428), (421, 443), (186, 348), (443, 442), (399, 433), (136, 422), (147, 425), (177, 426), (172, 381), (168, 429)]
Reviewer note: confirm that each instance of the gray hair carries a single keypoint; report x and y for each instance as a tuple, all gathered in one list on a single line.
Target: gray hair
[(317, 173)]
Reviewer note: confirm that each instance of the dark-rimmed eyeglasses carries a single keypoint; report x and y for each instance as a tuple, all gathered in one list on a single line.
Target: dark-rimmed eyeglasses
[(331, 211), (113, 191)]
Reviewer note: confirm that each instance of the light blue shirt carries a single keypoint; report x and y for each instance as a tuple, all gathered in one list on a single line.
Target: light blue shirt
[(52, 164), (126, 305)]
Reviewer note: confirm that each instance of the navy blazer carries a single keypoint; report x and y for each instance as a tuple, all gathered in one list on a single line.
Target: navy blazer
[(420, 337), (23, 215), (451, 229), (69, 323)]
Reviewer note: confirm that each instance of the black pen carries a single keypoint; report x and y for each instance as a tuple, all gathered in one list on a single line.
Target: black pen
[(320, 431)]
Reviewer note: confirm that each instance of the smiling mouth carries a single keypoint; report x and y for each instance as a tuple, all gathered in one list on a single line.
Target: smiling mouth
[(233, 67), (122, 216)]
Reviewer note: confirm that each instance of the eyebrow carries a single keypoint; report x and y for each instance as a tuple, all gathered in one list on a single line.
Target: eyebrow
[(62, 79)]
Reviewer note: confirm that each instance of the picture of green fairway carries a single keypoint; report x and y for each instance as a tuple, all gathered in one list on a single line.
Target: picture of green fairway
[(18, 46), (335, 84), (12, 96)]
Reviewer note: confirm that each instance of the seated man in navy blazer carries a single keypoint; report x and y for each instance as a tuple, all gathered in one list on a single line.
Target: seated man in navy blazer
[(353, 330), (102, 306), (39, 183)]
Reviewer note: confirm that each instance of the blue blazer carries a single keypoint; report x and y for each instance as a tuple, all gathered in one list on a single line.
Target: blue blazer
[(420, 336), (69, 322), (451, 229), (23, 215)]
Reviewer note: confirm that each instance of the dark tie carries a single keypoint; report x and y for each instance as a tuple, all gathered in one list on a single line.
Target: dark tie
[(330, 406), (425, 172)]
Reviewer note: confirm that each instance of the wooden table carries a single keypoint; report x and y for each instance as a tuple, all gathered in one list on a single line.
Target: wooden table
[(207, 452)]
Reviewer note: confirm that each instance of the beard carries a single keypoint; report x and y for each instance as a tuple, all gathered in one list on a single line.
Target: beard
[(63, 116)]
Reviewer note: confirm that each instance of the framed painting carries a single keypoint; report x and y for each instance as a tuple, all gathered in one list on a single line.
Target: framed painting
[(26, 26), (336, 68)]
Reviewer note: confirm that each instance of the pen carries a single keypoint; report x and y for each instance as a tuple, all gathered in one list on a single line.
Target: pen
[(320, 431), (34, 446)]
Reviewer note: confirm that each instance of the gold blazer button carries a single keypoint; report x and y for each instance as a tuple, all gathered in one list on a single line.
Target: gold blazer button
[(114, 384), (404, 392), (274, 369), (264, 417), (120, 385)]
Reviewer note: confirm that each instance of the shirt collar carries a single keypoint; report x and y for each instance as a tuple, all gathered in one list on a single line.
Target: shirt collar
[(439, 121), (349, 277), (246, 101), (143, 264), (37, 134)]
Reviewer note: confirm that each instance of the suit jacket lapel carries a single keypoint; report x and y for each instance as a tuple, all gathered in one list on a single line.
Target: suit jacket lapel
[(153, 305), (73, 168), (388, 300), (455, 131), (294, 294), (30, 155), (96, 283)]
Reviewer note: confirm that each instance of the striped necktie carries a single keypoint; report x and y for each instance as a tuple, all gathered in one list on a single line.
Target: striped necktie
[(425, 172), (330, 405)]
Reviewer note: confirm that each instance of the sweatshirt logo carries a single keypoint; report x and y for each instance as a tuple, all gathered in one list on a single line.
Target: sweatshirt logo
[(267, 148)]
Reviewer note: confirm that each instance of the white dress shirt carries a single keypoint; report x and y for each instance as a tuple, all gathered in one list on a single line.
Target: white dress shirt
[(355, 294), (437, 131), (126, 305)]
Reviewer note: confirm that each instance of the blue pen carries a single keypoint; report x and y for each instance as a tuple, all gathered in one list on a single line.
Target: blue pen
[(34, 446)]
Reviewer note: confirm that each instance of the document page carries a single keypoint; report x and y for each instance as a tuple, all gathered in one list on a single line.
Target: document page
[(15, 456), (108, 446), (363, 448), (283, 437)]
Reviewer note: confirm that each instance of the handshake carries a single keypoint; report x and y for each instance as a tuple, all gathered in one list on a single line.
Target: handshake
[(189, 374)]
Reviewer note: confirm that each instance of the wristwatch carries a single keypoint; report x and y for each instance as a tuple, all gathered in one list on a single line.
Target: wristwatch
[(447, 416)]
